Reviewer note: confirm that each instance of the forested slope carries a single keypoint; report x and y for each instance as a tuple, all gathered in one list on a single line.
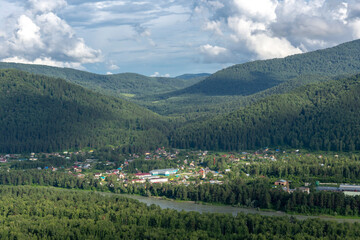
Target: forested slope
[(252, 77), (39, 113), (119, 85), (318, 116), (38, 213)]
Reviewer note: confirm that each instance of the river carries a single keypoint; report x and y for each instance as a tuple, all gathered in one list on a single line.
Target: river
[(191, 206)]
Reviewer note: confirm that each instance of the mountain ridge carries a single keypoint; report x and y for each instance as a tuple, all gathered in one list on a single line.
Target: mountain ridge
[(244, 79), (124, 85), (318, 116), (43, 114)]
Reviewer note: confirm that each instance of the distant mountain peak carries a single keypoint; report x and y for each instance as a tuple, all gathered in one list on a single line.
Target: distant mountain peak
[(192, 75)]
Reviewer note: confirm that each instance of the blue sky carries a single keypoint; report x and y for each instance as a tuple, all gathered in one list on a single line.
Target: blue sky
[(169, 38)]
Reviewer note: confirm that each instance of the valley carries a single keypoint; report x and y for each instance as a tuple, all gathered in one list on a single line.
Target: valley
[(269, 136)]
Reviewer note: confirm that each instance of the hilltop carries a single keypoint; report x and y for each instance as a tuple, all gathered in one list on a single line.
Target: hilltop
[(322, 116), (43, 114), (124, 85), (252, 77), (244, 84)]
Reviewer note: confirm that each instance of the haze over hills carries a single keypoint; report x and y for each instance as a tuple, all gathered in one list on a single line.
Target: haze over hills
[(124, 85), (199, 96), (227, 122), (245, 84), (43, 114), (322, 116), (191, 76), (252, 77)]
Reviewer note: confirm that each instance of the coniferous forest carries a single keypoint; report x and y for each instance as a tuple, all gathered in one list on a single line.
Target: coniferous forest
[(94, 133), (37, 213), (43, 114), (321, 116)]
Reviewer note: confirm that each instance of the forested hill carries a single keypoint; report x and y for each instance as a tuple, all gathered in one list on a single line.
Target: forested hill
[(120, 85), (39, 113), (192, 76), (322, 116), (249, 78)]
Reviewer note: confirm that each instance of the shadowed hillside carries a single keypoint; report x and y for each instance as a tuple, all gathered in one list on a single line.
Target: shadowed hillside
[(321, 116), (39, 113)]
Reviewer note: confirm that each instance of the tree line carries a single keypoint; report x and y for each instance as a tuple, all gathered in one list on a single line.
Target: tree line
[(255, 194), (319, 117), (42, 213)]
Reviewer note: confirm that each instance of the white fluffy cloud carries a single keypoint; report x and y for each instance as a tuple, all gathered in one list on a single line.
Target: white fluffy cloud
[(44, 61), (261, 10), (174, 36), (262, 29), (40, 36), (212, 50), (27, 35), (46, 5), (157, 74)]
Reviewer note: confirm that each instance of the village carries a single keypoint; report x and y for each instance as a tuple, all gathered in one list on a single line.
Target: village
[(172, 166), (87, 165)]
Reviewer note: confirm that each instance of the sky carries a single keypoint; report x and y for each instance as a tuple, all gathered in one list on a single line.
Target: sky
[(169, 37)]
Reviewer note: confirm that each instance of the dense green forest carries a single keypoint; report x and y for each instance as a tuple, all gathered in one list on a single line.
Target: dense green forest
[(238, 192), (244, 84), (39, 113), (38, 213), (43, 114), (199, 96), (319, 116), (124, 85), (253, 77)]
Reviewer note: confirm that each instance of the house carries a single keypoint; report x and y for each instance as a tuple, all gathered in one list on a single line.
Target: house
[(281, 183), (86, 166), (164, 172), (215, 182), (158, 180), (304, 189), (97, 175), (350, 188), (142, 175), (137, 181)]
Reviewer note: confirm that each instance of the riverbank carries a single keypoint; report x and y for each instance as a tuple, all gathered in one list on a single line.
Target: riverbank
[(225, 209), (188, 206)]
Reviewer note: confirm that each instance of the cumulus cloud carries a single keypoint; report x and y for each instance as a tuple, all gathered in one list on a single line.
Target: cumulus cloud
[(212, 50), (214, 26), (46, 5), (157, 74), (40, 36), (113, 66), (44, 61), (262, 29), (260, 10)]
